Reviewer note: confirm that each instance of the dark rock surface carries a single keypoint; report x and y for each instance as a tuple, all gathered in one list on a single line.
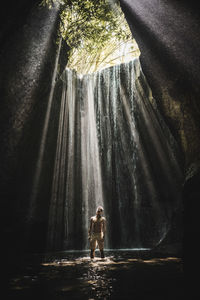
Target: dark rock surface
[(27, 58), (167, 33)]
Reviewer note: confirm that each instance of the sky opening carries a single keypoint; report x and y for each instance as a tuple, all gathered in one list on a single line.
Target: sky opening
[(98, 35)]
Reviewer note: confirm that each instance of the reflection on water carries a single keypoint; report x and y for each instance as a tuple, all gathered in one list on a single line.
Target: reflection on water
[(76, 276)]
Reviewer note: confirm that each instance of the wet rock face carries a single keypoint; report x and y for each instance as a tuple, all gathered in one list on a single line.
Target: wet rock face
[(167, 33), (27, 62), (27, 59), (12, 17)]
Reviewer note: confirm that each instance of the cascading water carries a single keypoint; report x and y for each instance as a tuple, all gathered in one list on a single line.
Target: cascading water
[(92, 193), (113, 149), (76, 132)]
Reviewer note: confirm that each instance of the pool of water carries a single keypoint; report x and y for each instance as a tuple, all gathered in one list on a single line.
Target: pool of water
[(121, 275)]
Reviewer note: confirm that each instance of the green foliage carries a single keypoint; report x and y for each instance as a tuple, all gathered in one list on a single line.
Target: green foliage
[(92, 20), (91, 28), (48, 3)]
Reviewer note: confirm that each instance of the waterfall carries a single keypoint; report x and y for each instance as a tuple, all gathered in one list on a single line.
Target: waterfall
[(90, 159), (114, 150)]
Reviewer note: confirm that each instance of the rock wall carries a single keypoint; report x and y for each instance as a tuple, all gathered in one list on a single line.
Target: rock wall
[(167, 33), (27, 58)]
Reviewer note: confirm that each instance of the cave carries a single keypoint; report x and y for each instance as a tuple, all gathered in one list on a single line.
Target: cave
[(139, 122)]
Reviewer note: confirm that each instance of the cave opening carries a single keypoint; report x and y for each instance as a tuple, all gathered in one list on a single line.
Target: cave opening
[(97, 34)]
